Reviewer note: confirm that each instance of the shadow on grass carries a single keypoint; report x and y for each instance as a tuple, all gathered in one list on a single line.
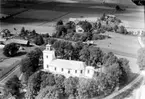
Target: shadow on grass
[(20, 54)]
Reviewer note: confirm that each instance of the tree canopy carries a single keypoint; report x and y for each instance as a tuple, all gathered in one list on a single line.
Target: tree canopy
[(10, 50), (13, 85)]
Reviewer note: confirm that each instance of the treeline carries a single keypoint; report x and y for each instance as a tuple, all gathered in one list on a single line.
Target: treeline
[(68, 31), (32, 36)]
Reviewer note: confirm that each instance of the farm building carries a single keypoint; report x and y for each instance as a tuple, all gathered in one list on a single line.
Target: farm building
[(135, 31), (65, 67), (18, 41)]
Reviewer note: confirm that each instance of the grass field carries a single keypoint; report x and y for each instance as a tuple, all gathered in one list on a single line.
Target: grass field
[(123, 46)]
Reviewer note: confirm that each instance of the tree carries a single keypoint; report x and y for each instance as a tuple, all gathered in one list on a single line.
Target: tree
[(61, 31), (89, 35), (76, 50), (109, 59), (71, 86), (25, 64), (39, 40), (96, 56), (49, 92), (52, 41), (126, 71), (115, 28), (76, 37), (33, 85), (68, 50), (23, 32), (87, 26), (103, 17), (34, 56), (141, 58), (10, 49), (113, 74), (47, 80), (70, 25), (87, 88), (85, 54), (30, 63), (59, 83), (122, 30), (13, 85), (60, 22)]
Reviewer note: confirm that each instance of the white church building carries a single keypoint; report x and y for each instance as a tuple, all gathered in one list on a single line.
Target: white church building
[(65, 67)]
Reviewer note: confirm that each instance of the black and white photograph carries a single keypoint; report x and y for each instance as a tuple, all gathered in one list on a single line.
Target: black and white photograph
[(72, 49)]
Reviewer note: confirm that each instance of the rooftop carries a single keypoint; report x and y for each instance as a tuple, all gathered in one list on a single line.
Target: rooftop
[(19, 41), (69, 64)]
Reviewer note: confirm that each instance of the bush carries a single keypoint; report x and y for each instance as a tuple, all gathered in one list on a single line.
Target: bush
[(10, 49)]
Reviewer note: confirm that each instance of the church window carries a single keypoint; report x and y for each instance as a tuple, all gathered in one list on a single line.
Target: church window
[(75, 71), (47, 66), (81, 71), (47, 56), (61, 69), (55, 68), (88, 71), (68, 71)]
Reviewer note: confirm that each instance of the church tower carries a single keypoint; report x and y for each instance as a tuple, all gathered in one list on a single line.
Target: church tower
[(48, 56)]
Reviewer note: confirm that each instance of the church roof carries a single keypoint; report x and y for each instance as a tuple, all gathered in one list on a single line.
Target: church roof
[(69, 64)]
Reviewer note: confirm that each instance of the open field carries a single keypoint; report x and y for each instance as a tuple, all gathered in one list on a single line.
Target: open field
[(123, 46), (41, 14), (9, 11), (121, 43), (44, 13)]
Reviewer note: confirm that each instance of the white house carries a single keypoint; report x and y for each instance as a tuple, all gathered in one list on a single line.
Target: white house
[(65, 67), (79, 29)]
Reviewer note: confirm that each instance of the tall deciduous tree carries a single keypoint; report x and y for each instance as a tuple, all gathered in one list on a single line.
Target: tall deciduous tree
[(87, 26), (85, 54), (87, 88), (49, 92), (96, 56), (71, 86), (30, 63), (47, 80), (33, 85), (10, 49), (13, 85), (39, 40)]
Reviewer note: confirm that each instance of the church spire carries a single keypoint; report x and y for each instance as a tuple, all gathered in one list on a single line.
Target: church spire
[(48, 47)]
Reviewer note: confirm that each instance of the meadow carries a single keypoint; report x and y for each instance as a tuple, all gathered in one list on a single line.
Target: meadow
[(124, 46)]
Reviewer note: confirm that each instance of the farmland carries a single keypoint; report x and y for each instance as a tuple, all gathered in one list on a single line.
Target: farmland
[(42, 17)]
